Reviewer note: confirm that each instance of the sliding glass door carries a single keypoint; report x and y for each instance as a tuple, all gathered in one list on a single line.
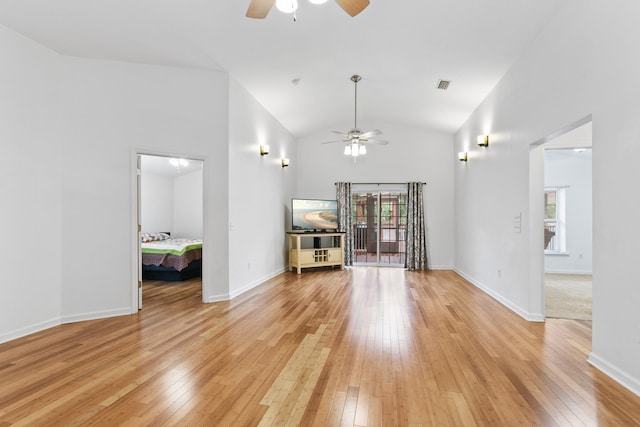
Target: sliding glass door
[(379, 227)]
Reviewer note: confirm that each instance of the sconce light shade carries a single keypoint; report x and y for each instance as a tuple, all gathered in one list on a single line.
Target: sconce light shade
[(483, 140), (264, 150), (462, 156), (285, 163)]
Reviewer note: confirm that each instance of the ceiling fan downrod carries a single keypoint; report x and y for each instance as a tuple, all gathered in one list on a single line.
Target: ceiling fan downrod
[(355, 79)]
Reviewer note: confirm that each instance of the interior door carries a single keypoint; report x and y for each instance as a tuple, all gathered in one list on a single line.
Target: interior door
[(139, 226)]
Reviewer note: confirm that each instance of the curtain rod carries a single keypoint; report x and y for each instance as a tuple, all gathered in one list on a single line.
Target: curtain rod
[(378, 183)]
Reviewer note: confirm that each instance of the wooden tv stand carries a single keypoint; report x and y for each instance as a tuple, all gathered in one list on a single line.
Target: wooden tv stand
[(330, 252)]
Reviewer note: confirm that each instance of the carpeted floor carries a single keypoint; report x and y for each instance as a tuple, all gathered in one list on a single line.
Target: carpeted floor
[(568, 296)]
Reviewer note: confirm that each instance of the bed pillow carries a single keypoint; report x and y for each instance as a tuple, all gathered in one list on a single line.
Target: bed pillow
[(152, 237)]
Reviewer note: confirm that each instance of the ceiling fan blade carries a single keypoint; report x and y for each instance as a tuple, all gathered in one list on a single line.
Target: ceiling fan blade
[(376, 141), (340, 133), (371, 133), (258, 9), (353, 7), (337, 140)]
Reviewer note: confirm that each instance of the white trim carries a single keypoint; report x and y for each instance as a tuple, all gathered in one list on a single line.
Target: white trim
[(246, 288), (257, 282), (57, 321), (441, 267), (531, 317), (579, 272), (623, 378), (32, 329), (94, 315)]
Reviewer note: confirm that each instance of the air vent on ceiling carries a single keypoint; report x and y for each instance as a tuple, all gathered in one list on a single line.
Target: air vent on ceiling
[(443, 84)]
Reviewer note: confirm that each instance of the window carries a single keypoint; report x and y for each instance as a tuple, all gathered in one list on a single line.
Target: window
[(555, 220)]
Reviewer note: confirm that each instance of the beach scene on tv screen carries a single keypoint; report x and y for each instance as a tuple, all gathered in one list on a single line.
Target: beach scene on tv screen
[(315, 214)]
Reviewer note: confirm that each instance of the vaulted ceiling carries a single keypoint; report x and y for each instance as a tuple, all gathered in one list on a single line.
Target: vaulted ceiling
[(300, 71)]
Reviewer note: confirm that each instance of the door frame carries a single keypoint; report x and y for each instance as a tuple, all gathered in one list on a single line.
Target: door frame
[(537, 306), (136, 270), (378, 190)]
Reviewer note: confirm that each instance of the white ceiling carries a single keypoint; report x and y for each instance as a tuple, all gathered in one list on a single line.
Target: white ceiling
[(160, 165), (400, 48)]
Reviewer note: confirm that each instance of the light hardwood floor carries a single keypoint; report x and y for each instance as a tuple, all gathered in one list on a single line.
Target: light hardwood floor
[(359, 347)]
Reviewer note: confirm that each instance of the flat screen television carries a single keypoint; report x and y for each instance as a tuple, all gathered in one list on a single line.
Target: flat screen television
[(314, 215)]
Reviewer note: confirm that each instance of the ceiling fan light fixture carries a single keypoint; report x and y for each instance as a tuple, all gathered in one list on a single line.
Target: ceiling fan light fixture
[(355, 138), (287, 6), (178, 162), (355, 151), (317, 1)]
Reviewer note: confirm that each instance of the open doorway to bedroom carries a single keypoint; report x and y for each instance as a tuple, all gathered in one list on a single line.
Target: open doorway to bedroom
[(170, 215), (562, 229), (568, 225)]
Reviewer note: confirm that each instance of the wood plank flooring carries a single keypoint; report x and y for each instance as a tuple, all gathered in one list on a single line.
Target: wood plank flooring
[(359, 347)]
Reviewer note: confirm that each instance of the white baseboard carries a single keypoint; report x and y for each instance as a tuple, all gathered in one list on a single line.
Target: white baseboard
[(531, 317), (31, 329), (258, 282), (582, 273), (41, 326), (96, 315), (217, 298), (626, 380), (440, 267), (245, 288)]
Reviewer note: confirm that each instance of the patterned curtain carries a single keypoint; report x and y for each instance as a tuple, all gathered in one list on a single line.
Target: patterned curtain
[(343, 194), (416, 242)]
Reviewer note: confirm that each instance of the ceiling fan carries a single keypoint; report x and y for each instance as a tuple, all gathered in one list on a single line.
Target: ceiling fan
[(259, 9), (356, 141)]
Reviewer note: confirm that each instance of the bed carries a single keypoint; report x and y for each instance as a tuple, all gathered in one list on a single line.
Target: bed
[(171, 259)]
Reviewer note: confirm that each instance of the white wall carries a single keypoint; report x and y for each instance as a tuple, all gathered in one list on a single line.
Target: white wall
[(75, 127), (260, 190), (562, 78), (545, 90), (156, 202), (187, 205), (110, 111), (172, 203), (616, 142), (572, 170), (412, 155), (30, 257)]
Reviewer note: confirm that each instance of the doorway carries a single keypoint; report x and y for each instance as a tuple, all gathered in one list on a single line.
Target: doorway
[(561, 222), (380, 227), (170, 223), (568, 225)]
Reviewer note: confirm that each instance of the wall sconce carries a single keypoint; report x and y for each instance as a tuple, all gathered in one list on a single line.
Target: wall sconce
[(285, 163), (462, 156), (483, 140), (264, 150)]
